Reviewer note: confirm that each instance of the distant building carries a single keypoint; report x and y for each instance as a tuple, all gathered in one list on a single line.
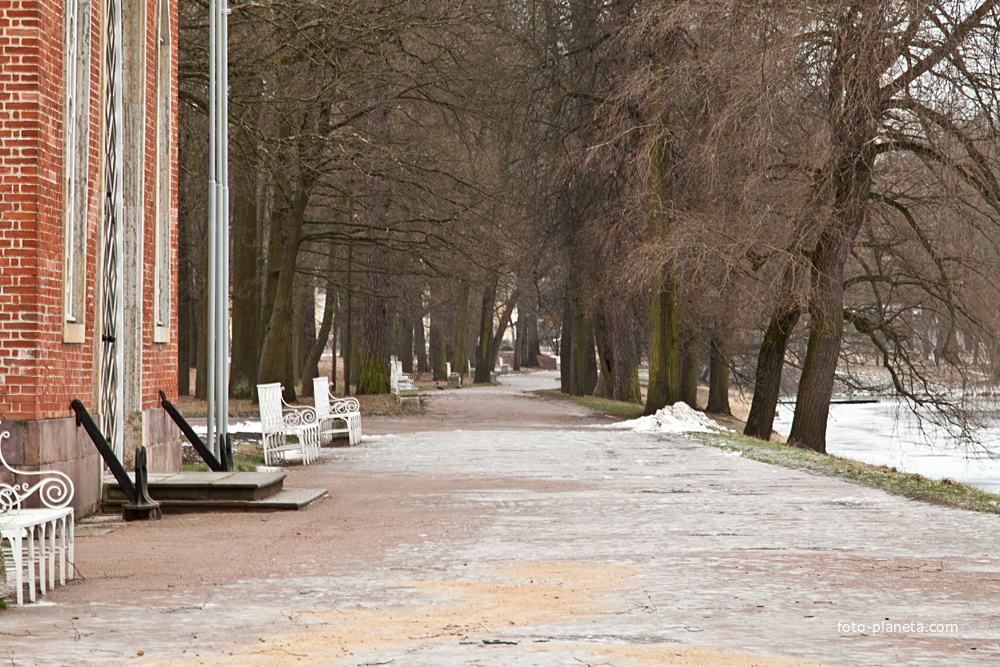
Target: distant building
[(88, 231)]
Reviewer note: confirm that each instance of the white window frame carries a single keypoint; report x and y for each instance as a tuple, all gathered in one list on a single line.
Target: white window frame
[(163, 52), (76, 89)]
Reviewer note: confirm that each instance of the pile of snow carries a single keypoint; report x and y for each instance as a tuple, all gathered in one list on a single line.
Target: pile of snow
[(238, 427), (676, 418)]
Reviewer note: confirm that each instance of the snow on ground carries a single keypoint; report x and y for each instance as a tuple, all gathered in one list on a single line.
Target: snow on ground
[(676, 418), (237, 427)]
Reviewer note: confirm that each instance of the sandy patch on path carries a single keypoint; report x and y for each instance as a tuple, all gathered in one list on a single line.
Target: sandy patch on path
[(687, 656), (499, 607)]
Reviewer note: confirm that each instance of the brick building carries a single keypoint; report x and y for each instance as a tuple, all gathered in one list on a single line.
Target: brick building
[(88, 247)]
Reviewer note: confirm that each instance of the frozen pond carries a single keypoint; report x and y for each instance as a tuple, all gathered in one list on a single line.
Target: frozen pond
[(887, 433)]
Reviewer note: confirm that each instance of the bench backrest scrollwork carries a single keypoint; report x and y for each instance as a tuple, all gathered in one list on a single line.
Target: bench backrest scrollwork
[(55, 489), (276, 415), (342, 406)]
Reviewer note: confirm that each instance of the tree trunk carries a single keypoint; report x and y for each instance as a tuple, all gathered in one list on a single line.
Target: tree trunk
[(584, 367), (335, 331), (183, 341), (201, 307), (275, 360), (520, 344), (664, 353), (395, 336), (690, 370), (483, 364), (311, 366), (374, 375), (303, 324), (532, 344), (566, 346), (347, 343), (718, 378), (625, 346), (458, 349), (438, 357), (605, 387), (246, 296), (852, 188), (278, 238), (356, 360), (767, 380), (201, 331), (406, 343), (420, 343), (505, 316), (374, 372), (826, 329), (771, 357)]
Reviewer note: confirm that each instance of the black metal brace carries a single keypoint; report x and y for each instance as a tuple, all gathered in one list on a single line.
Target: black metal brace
[(144, 508), (226, 465), (84, 419), (227, 453), (139, 505)]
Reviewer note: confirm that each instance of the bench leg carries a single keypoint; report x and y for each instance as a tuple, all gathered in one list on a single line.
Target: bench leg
[(40, 556), (16, 550), (52, 555), (70, 520), (62, 551), (31, 564)]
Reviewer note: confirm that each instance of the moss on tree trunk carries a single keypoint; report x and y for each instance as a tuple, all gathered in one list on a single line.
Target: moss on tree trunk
[(664, 354)]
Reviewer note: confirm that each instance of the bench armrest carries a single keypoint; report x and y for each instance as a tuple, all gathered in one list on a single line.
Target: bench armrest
[(55, 489)]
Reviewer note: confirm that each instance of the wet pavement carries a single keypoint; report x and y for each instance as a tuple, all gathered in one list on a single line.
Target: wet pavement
[(506, 529)]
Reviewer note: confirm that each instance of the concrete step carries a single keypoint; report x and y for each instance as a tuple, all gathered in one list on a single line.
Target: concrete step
[(229, 486), (288, 499)]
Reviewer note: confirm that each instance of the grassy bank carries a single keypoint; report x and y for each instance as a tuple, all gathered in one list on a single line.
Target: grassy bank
[(247, 455), (890, 480), (915, 487)]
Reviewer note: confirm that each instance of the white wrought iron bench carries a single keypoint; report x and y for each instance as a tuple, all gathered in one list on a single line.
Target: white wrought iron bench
[(332, 411), (277, 424), (37, 536), (400, 383)]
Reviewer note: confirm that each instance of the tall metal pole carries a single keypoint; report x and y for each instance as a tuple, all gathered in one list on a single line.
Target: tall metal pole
[(210, 365), (218, 228), (224, 251), (220, 222)]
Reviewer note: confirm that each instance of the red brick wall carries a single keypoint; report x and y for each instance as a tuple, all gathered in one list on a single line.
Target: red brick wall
[(159, 360), (39, 375)]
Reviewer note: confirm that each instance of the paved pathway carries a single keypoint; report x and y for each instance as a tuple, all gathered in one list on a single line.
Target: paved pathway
[(502, 529)]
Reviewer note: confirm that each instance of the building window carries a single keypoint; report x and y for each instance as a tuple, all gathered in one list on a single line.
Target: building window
[(76, 134), (161, 291)]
